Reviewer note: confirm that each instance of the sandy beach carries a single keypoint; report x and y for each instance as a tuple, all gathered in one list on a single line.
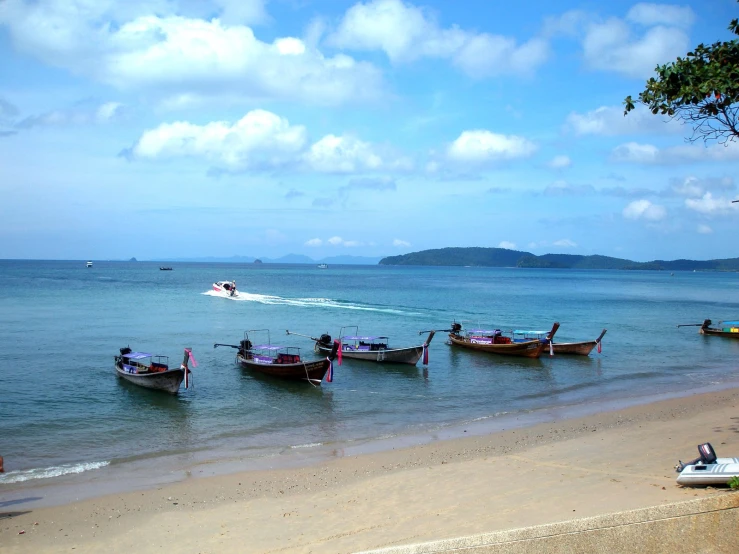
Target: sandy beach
[(519, 477)]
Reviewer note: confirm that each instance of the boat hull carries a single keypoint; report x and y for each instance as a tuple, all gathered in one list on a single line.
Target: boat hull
[(312, 371), (168, 381), (718, 333), (409, 355), (574, 348), (527, 349), (719, 473)]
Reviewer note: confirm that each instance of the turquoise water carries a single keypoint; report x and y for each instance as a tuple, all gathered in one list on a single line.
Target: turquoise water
[(64, 411)]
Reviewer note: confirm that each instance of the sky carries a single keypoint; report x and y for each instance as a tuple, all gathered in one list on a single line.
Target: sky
[(165, 129)]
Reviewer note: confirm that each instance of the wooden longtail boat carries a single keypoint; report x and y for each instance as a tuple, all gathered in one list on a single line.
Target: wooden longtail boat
[(727, 329), (280, 361), (583, 348), (370, 348), (152, 372), (578, 348), (494, 342)]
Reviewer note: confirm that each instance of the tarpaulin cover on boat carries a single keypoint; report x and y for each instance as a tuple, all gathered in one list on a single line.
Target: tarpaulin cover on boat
[(136, 355), (268, 347), (357, 337)]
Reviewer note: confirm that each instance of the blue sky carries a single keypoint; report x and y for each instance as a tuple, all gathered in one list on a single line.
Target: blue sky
[(168, 128)]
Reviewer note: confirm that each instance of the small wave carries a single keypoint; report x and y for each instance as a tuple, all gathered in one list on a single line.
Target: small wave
[(309, 445), (307, 302), (47, 472)]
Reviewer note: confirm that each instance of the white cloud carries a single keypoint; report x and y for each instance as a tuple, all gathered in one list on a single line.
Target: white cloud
[(334, 154), (480, 146), (704, 230), (108, 111), (84, 113), (314, 242), (177, 56), (633, 152), (610, 120), (644, 209), (338, 241), (560, 162), (636, 153), (260, 140), (690, 186), (565, 243), (401, 243), (656, 14), (611, 46), (406, 32), (507, 245), (242, 11), (709, 205)]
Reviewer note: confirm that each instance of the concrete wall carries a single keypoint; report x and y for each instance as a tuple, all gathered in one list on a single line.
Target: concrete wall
[(702, 526)]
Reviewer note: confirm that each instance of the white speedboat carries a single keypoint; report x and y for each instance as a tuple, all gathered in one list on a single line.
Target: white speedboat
[(89, 264), (226, 288), (707, 469)]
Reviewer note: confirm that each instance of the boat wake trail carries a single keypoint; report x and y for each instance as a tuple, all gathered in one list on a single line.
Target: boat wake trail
[(309, 302), (47, 472)]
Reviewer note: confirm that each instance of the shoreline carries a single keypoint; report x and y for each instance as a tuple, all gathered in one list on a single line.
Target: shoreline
[(153, 472), (528, 475)]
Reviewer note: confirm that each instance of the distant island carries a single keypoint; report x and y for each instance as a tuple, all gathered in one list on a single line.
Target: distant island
[(502, 257)]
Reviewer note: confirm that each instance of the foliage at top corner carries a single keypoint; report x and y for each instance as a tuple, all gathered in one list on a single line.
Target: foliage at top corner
[(701, 89)]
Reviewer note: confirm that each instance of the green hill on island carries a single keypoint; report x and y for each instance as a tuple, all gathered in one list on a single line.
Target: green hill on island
[(502, 257)]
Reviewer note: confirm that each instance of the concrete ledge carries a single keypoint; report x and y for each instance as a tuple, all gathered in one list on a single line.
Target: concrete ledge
[(706, 525)]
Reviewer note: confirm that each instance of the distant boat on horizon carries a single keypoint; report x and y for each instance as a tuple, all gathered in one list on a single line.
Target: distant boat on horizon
[(89, 264), (322, 266)]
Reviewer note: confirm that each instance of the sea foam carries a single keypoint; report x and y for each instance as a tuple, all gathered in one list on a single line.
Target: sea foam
[(47, 472)]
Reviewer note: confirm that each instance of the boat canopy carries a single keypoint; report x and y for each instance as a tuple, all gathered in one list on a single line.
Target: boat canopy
[(137, 355), (523, 332), (362, 337), (730, 322), (268, 347), (482, 331)]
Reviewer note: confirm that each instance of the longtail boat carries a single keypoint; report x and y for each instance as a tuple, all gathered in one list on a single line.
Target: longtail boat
[(281, 361), (153, 371), (727, 329), (583, 348), (370, 348), (494, 342)]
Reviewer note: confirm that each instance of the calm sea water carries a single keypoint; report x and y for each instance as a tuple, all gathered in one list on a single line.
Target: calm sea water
[(64, 412)]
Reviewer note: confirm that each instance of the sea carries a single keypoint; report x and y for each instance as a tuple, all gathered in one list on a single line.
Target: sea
[(70, 428)]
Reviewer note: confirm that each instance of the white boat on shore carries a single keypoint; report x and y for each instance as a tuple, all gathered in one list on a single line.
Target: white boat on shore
[(707, 469), (226, 288)]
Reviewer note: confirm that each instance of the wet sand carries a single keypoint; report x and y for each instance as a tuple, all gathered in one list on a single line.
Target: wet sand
[(544, 473)]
